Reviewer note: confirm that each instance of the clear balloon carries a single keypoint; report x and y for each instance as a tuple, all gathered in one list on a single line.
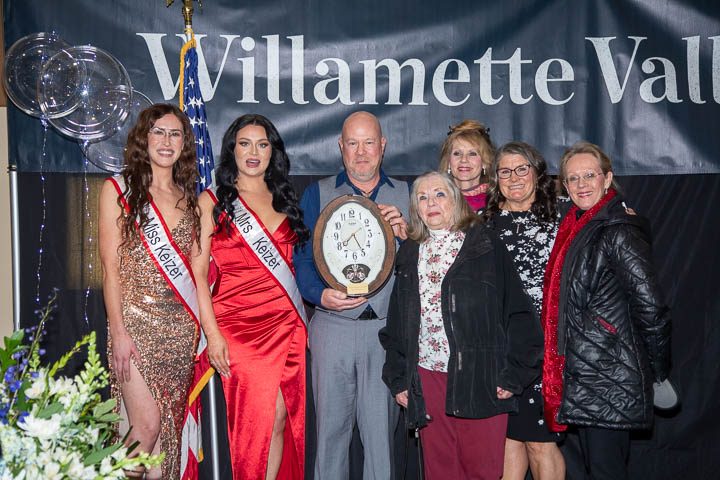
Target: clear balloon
[(105, 92), (108, 154), (23, 65)]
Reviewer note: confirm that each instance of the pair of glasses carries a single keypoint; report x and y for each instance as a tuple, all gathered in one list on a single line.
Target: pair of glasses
[(520, 171), (588, 177), (160, 134)]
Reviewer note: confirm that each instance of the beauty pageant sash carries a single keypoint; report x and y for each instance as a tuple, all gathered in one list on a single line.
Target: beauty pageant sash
[(261, 243), (172, 264)]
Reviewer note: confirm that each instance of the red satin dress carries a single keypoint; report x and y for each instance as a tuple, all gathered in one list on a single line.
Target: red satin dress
[(266, 340)]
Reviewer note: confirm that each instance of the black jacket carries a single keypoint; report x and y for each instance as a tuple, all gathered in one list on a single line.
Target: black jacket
[(493, 338), (613, 325)]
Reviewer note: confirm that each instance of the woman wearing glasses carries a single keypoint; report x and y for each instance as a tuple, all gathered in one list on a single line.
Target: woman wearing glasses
[(466, 156), (523, 211), (150, 208), (607, 328)]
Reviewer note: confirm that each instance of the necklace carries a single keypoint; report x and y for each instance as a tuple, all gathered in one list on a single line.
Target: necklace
[(515, 221), (365, 193), (528, 224), (474, 187)]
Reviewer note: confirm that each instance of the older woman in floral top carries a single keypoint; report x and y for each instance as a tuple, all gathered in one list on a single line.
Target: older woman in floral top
[(461, 342)]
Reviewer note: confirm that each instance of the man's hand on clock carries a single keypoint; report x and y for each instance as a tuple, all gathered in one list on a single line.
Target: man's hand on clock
[(332, 299), (394, 217)]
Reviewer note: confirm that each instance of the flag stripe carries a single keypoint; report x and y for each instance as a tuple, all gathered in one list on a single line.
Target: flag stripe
[(194, 107)]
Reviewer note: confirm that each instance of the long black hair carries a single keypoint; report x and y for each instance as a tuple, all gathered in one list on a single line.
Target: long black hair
[(545, 205), (276, 177)]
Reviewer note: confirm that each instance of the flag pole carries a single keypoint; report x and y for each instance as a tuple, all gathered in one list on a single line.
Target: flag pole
[(15, 242), (187, 11)]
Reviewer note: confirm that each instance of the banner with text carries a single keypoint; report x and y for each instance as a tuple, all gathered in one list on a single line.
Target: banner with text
[(639, 78)]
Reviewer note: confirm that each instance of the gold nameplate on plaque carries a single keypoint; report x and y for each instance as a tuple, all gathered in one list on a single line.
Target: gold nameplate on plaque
[(357, 288)]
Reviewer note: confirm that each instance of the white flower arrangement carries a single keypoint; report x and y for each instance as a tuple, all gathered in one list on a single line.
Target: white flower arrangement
[(54, 427)]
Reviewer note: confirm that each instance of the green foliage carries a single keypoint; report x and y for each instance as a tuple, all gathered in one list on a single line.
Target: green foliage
[(52, 426)]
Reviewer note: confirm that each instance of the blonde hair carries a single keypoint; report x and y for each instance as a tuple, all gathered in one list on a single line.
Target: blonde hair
[(463, 217), (472, 132), (584, 146)]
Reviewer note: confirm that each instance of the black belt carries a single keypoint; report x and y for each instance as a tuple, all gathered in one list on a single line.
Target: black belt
[(368, 314)]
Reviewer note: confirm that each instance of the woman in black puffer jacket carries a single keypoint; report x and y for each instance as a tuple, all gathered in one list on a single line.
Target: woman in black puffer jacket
[(607, 329)]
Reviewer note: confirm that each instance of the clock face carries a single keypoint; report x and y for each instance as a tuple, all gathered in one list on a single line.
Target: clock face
[(351, 245)]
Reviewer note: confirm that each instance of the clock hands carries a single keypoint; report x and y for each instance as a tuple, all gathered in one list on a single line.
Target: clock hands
[(356, 240), (352, 235)]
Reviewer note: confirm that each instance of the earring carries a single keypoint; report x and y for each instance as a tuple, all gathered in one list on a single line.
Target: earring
[(483, 170), (449, 171), (606, 190)]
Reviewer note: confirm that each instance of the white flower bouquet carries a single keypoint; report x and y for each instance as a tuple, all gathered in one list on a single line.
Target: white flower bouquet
[(55, 427)]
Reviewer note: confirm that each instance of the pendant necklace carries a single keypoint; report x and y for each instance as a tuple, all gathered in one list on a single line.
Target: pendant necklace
[(515, 221), (467, 190), (365, 194)]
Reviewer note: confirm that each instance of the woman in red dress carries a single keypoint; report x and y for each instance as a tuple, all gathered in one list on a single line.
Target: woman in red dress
[(256, 334)]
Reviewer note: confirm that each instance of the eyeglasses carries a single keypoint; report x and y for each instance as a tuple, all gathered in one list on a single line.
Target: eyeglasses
[(160, 134), (520, 171), (588, 177)]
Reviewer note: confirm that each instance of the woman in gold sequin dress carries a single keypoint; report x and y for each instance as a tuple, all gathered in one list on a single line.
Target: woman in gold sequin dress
[(152, 338)]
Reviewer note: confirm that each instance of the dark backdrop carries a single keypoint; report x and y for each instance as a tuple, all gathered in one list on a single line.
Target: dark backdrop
[(664, 122), (682, 210)]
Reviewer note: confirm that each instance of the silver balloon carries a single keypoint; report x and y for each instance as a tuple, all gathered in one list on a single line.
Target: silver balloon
[(105, 92), (23, 65), (108, 154)]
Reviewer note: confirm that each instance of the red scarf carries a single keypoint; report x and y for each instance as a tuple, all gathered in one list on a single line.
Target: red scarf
[(554, 363)]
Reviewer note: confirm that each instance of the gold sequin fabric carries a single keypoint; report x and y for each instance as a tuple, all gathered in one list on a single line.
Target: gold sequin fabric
[(165, 335)]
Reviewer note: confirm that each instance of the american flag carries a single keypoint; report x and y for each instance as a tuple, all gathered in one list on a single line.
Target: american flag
[(194, 107), (191, 102)]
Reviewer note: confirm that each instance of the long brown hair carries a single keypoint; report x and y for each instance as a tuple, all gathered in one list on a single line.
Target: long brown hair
[(545, 204), (137, 172)]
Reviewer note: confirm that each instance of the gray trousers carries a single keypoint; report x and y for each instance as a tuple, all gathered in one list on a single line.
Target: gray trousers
[(347, 361)]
